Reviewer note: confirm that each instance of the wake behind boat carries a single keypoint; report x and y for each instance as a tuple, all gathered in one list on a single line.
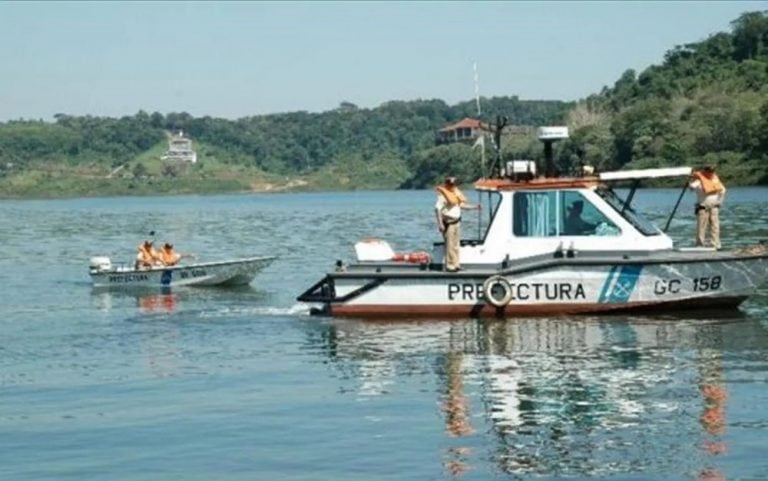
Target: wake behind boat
[(220, 273), (536, 258)]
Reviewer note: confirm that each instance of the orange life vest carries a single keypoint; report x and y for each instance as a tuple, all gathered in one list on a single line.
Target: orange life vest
[(709, 185), (452, 195), (169, 257), (148, 255)]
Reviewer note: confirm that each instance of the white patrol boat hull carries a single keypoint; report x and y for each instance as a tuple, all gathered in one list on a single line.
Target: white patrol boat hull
[(539, 256), (545, 285), (229, 273)]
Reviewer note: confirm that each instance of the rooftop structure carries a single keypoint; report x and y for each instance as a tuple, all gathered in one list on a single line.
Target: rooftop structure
[(466, 130), (180, 149)]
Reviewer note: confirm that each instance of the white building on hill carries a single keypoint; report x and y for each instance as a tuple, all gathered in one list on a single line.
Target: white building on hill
[(180, 149)]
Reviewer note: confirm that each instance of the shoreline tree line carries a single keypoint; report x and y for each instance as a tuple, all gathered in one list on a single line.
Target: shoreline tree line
[(705, 103)]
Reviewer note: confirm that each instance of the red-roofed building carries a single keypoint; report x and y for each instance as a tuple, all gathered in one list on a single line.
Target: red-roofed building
[(466, 130)]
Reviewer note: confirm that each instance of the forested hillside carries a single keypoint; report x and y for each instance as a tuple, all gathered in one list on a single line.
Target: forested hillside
[(705, 103), (348, 147)]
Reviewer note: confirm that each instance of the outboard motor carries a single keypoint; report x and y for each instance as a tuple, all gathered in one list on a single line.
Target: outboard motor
[(100, 264)]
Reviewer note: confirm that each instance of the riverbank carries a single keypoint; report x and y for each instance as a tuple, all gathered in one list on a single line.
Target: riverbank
[(147, 175), (37, 185), (63, 188)]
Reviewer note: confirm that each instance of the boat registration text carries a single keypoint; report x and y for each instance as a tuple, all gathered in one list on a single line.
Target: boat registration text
[(520, 291), (124, 278)]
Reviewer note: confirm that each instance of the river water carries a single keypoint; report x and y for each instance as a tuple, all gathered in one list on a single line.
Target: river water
[(243, 384)]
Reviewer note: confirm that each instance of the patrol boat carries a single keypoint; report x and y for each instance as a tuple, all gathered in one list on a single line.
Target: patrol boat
[(554, 245), (222, 273)]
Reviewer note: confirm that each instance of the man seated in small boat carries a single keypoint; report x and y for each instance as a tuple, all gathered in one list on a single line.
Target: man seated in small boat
[(170, 257), (148, 256), (574, 224)]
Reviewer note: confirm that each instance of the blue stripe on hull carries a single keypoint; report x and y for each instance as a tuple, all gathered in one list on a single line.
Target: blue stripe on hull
[(621, 290), (604, 291)]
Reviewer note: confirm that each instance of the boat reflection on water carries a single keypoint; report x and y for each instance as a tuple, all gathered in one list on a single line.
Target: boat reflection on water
[(587, 396), (457, 415), (158, 340), (164, 302), (714, 395), (147, 300)]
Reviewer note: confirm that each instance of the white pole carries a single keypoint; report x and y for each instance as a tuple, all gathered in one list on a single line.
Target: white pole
[(482, 148), (477, 89), (482, 154)]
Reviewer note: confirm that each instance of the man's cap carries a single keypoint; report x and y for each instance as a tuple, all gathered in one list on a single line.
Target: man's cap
[(450, 179)]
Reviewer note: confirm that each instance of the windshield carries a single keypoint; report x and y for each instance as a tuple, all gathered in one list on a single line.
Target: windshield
[(642, 224), (491, 202)]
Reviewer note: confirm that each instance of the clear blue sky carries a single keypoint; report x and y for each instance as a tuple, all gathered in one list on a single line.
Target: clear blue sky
[(238, 59)]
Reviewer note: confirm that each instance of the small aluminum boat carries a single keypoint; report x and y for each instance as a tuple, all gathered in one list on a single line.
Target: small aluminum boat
[(222, 273)]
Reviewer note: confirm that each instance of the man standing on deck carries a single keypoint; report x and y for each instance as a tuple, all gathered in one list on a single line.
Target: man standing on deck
[(450, 201), (710, 193)]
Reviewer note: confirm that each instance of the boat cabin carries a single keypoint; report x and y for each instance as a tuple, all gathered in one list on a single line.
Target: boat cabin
[(545, 245), (546, 215)]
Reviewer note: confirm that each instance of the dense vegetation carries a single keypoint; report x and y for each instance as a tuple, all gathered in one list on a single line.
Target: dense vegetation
[(706, 103), (348, 147)]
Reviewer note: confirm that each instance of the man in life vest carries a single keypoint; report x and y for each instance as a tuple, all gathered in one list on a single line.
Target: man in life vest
[(168, 256), (148, 256), (450, 201), (710, 193)]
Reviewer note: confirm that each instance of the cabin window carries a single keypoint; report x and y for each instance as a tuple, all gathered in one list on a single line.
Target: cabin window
[(581, 217), (558, 213), (642, 224), (535, 214)]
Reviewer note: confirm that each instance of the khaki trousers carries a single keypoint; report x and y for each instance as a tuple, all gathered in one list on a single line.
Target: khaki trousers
[(708, 218), (452, 236)]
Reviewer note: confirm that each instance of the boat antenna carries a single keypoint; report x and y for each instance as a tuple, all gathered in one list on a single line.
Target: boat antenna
[(548, 136), (498, 127), (477, 90), (480, 142)]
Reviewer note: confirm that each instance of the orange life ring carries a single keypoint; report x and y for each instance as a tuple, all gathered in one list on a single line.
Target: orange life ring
[(420, 257)]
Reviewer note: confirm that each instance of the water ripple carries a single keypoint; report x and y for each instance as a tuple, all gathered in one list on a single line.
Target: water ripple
[(244, 383)]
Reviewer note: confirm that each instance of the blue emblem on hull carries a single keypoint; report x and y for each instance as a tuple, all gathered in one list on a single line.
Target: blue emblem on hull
[(620, 283), (165, 279)]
